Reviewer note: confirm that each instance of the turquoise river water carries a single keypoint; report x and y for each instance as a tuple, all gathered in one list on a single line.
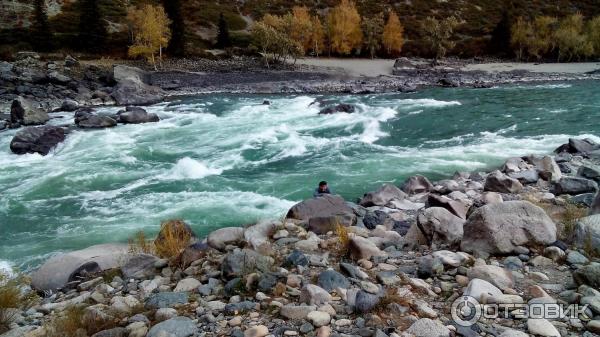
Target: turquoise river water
[(227, 160)]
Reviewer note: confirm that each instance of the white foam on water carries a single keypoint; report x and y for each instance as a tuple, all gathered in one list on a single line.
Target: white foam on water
[(426, 103), (188, 168), (6, 268)]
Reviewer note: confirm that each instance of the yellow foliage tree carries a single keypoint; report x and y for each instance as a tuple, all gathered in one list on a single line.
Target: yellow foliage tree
[(393, 34), (437, 34), (344, 22), (521, 32), (541, 39), (593, 35), (150, 28), (570, 38), (301, 27), (317, 35)]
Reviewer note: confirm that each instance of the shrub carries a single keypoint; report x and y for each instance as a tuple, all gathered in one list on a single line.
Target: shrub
[(174, 237), (76, 321), (13, 295), (343, 239)]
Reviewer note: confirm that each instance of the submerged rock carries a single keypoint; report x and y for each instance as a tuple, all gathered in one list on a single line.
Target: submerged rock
[(85, 118), (347, 108), (136, 115), (37, 139)]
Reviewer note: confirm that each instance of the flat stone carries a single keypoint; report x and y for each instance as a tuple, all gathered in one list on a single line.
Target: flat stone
[(542, 327)]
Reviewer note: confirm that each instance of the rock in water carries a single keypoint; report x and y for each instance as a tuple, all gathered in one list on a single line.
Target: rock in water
[(61, 269), (27, 112), (85, 118), (136, 115), (37, 139), (132, 87), (499, 228), (498, 182), (347, 108)]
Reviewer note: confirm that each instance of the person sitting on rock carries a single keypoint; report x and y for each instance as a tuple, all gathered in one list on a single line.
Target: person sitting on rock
[(322, 189)]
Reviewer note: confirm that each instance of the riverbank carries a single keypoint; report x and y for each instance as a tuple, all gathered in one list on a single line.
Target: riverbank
[(93, 83), (391, 264)]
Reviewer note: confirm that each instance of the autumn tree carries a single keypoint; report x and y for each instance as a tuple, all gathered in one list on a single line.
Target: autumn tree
[(393, 34), (541, 39), (92, 27), (150, 30), (437, 34), (271, 36), (176, 45), (593, 35), (570, 38), (41, 35), (344, 22), (317, 35), (223, 40), (301, 27), (373, 33), (521, 32)]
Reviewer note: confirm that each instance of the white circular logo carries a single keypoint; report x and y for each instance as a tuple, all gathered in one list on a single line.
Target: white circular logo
[(466, 311)]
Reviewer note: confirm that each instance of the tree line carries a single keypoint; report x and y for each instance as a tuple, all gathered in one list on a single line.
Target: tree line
[(342, 32), (567, 39)]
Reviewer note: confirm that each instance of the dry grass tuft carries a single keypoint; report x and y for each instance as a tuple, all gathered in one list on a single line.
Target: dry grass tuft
[(173, 238), (343, 239), (13, 295), (68, 323), (569, 217), (140, 244)]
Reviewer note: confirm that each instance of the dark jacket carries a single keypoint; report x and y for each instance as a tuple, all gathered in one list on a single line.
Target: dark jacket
[(319, 193)]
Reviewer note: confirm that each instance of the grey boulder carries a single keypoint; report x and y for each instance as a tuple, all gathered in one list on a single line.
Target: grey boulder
[(572, 185), (324, 206), (499, 182), (136, 115), (27, 112), (382, 196), (440, 226), (498, 228), (39, 139), (222, 237), (587, 232), (132, 87), (417, 184), (175, 327), (58, 271)]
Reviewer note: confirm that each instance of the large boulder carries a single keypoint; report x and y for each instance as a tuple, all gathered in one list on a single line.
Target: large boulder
[(581, 146), (382, 196), (587, 232), (243, 262), (440, 227), (454, 206), (499, 182), (86, 119), (498, 228), (588, 275), (132, 87), (139, 266), (417, 184), (39, 139), (58, 271), (136, 115), (27, 112), (498, 276), (222, 237), (323, 207), (572, 185), (546, 167)]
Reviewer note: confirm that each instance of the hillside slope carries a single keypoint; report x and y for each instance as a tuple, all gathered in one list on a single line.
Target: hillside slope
[(479, 17)]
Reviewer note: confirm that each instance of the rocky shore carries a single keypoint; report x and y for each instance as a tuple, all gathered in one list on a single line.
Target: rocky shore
[(391, 264)]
